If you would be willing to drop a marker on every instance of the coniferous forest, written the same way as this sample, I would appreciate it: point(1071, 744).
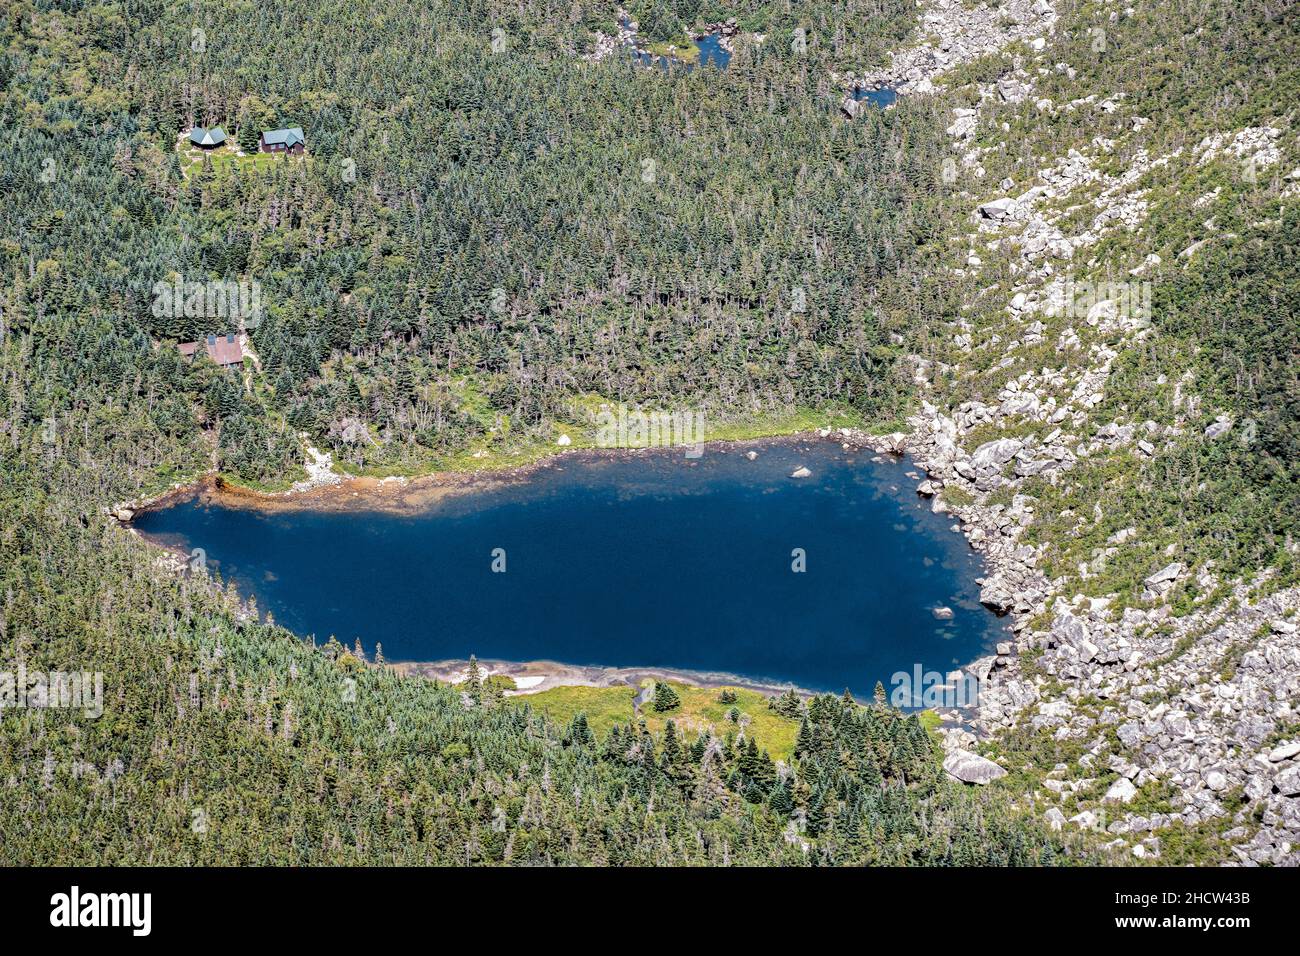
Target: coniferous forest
point(488, 235)
point(648, 234)
point(480, 240)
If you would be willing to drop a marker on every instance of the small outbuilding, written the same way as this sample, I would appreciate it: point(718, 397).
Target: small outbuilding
point(289, 140)
point(207, 138)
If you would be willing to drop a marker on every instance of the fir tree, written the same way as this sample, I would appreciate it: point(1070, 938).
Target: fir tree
point(781, 801)
point(474, 680)
point(665, 698)
point(818, 816)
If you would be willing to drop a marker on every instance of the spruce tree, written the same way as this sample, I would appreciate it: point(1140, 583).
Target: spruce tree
point(781, 801)
point(804, 739)
point(818, 816)
point(474, 680)
point(579, 733)
point(665, 698)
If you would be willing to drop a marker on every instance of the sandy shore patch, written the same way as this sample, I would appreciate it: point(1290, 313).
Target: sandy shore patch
point(532, 677)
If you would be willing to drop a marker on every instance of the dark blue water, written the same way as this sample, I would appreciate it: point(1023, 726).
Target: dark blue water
point(648, 559)
point(882, 97)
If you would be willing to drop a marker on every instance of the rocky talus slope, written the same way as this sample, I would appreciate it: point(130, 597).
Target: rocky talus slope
point(954, 33)
point(1173, 717)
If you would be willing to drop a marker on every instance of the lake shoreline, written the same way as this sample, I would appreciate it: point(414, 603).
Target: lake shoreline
point(413, 495)
point(418, 493)
point(537, 676)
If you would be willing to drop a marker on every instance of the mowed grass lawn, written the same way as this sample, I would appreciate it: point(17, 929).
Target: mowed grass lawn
point(700, 709)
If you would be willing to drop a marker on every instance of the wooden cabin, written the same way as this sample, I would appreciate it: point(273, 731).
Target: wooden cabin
point(207, 138)
point(225, 350)
point(289, 140)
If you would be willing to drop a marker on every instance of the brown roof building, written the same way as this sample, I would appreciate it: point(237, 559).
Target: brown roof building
point(225, 350)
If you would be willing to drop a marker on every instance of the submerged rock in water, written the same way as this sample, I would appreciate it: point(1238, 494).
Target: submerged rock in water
point(801, 472)
point(942, 613)
point(751, 455)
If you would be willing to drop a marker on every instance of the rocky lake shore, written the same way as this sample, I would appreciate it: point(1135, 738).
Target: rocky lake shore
point(1191, 713)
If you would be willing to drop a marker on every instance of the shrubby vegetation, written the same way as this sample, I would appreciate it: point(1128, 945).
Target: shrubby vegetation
point(1227, 316)
point(225, 740)
point(848, 35)
point(229, 740)
point(479, 249)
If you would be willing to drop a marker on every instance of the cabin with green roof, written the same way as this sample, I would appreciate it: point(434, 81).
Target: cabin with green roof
point(289, 140)
point(207, 138)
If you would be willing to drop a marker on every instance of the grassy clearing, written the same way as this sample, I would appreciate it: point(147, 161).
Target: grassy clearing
point(504, 450)
point(680, 50)
point(701, 709)
point(224, 158)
